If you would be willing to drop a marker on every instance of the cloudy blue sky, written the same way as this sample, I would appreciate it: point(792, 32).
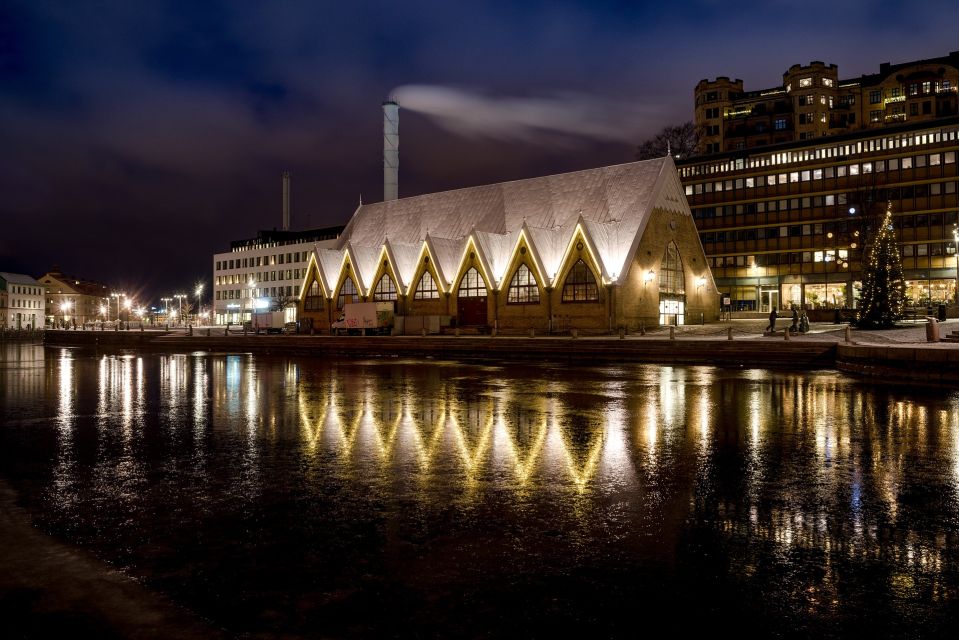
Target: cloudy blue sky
point(138, 138)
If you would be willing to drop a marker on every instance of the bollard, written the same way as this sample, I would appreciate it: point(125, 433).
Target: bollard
point(457, 331)
point(573, 333)
point(622, 333)
point(729, 333)
point(848, 335)
point(492, 332)
point(226, 332)
point(423, 332)
point(532, 332)
point(786, 334)
point(208, 332)
point(642, 328)
point(672, 332)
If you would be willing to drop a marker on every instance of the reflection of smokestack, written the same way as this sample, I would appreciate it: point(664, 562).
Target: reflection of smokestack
point(391, 150)
point(286, 200)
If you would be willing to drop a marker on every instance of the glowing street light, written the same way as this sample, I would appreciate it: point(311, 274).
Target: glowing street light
point(199, 300)
point(179, 297)
point(118, 296)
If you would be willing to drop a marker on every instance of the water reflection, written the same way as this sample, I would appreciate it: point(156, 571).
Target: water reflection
point(791, 486)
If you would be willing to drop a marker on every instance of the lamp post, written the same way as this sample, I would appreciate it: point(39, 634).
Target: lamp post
point(179, 297)
point(955, 238)
point(118, 296)
point(166, 308)
point(199, 305)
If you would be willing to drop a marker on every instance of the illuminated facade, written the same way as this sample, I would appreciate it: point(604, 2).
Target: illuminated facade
point(592, 250)
point(813, 102)
point(21, 306)
point(787, 224)
point(266, 272)
point(71, 300)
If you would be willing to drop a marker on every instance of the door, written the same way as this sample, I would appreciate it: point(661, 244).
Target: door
point(471, 312)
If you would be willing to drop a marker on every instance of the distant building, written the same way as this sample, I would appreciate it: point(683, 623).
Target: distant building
point(21, 305)
point(591, 250)
point(813, 102)
point(72, 300)
point(265, 272)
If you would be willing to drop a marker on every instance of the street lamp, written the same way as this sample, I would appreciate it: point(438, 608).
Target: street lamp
point(199, 301)
point(166, 307)
point(64, 310)
point(118, 296)
point(955, 237)
point(179, 297)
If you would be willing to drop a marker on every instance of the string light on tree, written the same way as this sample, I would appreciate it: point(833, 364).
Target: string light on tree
point(884, 288)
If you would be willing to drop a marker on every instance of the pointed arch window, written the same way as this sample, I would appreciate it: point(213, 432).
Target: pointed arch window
point(472, 285)
point(426, 289)
point(671, 277)
point(385, 289)
point(314, 298)
point(347, 293)
point(523, 288)
point(580, 285)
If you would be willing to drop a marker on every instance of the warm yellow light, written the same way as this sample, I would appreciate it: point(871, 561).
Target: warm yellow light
point(648, 276)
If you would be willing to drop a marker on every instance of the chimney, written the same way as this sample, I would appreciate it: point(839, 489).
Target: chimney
point(391, 150)
point(286, 200)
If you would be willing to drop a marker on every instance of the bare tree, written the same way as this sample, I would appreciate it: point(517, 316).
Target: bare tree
point(680, 141)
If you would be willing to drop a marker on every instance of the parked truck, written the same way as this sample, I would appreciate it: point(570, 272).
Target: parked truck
point(268, 322)
point(360, 318)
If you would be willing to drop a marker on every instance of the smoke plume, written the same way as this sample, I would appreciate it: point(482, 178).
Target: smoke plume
point(557, 119)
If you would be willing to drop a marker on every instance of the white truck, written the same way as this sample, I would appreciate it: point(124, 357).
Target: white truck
point(360, 318)
point(268, 322)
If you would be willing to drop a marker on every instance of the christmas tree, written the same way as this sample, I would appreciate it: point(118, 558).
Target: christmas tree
point(883, 288)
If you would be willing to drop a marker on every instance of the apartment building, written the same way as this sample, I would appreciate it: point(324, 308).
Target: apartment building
point(813, 101)
point(265, 272)
point(789, 223)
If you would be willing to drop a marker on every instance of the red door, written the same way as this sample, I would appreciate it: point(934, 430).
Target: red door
point(471, 312)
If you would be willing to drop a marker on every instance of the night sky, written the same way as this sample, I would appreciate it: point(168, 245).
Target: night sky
point(138, 138)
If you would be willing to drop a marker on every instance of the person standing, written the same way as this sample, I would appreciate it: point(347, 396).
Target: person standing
point(772, 320)
point(795, 326)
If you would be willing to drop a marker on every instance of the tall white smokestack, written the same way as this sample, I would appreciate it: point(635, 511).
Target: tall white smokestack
point(391, 150)
point(286, 200)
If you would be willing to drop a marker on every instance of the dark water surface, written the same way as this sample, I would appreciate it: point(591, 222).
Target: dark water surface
point(399, 498)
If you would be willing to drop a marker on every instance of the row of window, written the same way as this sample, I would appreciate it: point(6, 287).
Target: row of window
point(17, 303)
point(25, 290)
point(829, 255)
point(838, 171)
point(264, 276)
point(911, 89)
point(262, 261)
point(245, 294)
point(825, 152)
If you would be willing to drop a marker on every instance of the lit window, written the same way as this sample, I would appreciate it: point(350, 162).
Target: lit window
point(827, 82)
point(426, 288)
point(472, 285)
point(671, 278)
point(385, 289)
point(580, 285)
point(523, 288)
point(347, 293)
point(314, 298)
point(805, 82)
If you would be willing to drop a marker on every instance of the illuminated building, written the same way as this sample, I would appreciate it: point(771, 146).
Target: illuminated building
point(21, 305)
point(70, 299)
point(267, 271)
point(786, 224)
point(591, 250)
point(813, 102)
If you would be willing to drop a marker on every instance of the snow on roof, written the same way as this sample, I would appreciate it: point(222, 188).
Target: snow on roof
point(18, 278)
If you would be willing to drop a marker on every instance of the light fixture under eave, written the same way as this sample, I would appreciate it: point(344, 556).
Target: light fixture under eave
point(700, 282)
point(648, 276)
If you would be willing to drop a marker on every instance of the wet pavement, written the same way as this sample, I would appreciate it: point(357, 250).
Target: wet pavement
point(291, 497)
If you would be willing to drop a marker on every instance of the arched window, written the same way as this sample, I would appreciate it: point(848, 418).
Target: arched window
point(426, 289)
point(672, 288)
point(523, 288)
point(472, 285)
point(671, 277)
point(314, 298)
point(347, 293)
point(580, 285)
point(385, 289)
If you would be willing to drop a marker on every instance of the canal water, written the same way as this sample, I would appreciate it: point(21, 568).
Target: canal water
point(402, 498)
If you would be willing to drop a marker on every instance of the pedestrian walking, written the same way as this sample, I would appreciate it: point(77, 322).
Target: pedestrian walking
point(772, 320)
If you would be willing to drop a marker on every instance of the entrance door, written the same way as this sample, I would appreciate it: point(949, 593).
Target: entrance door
point(471, 312)
point(769, 297)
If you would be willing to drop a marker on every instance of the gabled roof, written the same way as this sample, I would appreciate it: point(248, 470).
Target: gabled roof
point(610, 204)
point(18, 278)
